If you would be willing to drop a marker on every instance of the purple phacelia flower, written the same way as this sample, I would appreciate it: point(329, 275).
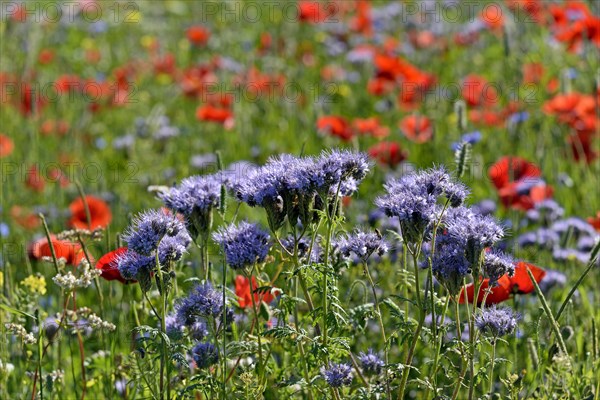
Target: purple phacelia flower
point(202, 302)
point(370, 362)
point(337, 375)
point(496, 264)
point(150, 227)
point(205, 355)
point(362, 244)
point(498, 321)
point(244, 244)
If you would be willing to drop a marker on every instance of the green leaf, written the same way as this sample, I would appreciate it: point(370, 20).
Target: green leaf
point(15, 311)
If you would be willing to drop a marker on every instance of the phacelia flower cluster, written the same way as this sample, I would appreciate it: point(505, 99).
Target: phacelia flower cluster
point(337, 375)
point(413, 199)
point(244, 244)
point(362, 244)
point(202, 302)
point(152, 233)
point(371, 363)
point(297, 186)
point(497, 321)
point(195, 198)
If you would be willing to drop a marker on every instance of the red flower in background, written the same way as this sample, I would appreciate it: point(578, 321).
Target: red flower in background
point(512, 169)
point(335, 126)
point(198, 35)
point(100, 214)
point(417, 128)
point(362, 22)
point(71, 252)
point(24, 217)
point(211, 113)
point(595, 221)
point(108, 265)
point(242, 291)
point(518, 183)
point(388, 153)
point(519, 283)
point(477, 91)
point(371, 127)
point(6, 146)
point(315, 11)
point(34, 179)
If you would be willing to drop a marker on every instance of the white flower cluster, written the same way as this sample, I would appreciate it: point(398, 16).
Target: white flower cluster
point(6, 368)
point(92, 320)
point(70, 282)
point(61, 261)
point(96, 322)
point(20, 331)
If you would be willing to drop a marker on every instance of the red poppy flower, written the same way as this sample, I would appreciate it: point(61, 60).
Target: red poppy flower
point(242, 290)
point(34, 179)
point(211, 113)
point(595, 221)
point(108, 265)
point(510, 169)
point(533, 72)
point(498, 294)
point(477, 91)
point(46, 56)
point(24, 217)
point(417, 128)
point(315, 11)
point(523, 195)
point(388, 153)
point(519, 283)
point(6, 146)
point(198, 35)
point(362, 22)
point(71, 252)
point(370, 126)
point(335, 126)
point(100, 215)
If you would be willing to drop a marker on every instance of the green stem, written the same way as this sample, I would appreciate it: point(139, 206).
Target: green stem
point(492, 367)
point(417, 332)
point(553, 323)
point(573, 290)
point(260, 354)
point(382, 327)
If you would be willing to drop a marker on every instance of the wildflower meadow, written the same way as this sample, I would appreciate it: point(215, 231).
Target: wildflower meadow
point(337, 199)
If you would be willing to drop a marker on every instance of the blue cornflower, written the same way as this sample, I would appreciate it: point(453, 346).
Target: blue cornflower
point(498, 321)
point(203, 301)
point(205, 355)
point(496, 264)
point(362, 244)
point(337, 375)
point(244, 245)
point(371, 363)
point(471, 138)
point(150, 227)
